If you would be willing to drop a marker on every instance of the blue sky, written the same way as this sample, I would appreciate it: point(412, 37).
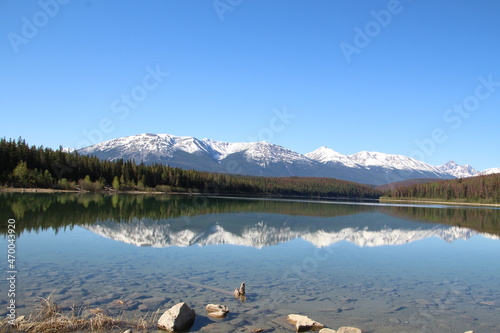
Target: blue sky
point(418, 78)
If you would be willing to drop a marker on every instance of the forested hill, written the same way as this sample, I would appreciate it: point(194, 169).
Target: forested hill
point(484, 189)
point(25, 166)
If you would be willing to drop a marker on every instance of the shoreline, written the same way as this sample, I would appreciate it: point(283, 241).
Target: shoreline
point(240, 195)
point(447, 203)
point(230, 195)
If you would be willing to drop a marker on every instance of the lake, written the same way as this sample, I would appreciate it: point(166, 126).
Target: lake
point(378, 267)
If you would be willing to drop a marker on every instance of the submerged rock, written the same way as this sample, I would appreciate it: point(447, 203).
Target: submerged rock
point(240, 291)
point(123, 305)
point(217, 310)
point(242, 288)
point(177, 318)
point(347, 329)
point(304, 323)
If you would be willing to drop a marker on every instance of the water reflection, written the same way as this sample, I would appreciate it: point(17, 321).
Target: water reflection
point(162, 221)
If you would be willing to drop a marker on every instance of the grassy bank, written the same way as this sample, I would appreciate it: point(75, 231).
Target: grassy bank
point(48, 317)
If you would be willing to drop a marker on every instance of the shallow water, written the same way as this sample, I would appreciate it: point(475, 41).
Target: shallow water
point(381, 268)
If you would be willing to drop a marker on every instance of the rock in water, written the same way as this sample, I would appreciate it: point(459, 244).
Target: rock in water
point(327, 330)
point(239, 291)
point(347, 329)
point(217, 310)
point(303, 323)
point(177, 318)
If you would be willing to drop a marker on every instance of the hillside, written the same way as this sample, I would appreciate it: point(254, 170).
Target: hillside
point(388, 187)
point(484, 189)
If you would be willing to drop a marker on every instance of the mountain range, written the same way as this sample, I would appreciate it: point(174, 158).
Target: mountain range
point(266, 159)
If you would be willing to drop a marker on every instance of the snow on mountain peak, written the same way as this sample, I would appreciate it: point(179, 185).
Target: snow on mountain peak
point(370, 158)
point(489, 171)
point(328, 155)
point(148, 147)
point(325, 154)
point(267, 159)
point(457, 170)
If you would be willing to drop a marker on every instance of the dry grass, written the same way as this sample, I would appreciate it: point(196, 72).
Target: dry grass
point(48, 318)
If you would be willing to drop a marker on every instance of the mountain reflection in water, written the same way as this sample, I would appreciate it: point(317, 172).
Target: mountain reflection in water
point(161, 221)
point(272, 229)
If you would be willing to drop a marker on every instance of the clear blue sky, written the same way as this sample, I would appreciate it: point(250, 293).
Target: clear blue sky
point(352, 75)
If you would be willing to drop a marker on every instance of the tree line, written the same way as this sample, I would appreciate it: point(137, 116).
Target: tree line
point(30, 166)
point(485, 189)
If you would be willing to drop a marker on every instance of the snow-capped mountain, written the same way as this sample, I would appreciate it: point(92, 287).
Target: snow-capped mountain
point(457, 170)
point(377, 168)
point(369, 159)
point(266, 159)
point(489, 171)
point(254, 158)
point(259, 234)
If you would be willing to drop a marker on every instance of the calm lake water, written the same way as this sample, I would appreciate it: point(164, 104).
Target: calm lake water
point(382, 268)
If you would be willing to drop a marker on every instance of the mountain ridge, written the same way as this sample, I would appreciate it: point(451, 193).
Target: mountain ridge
point(266, 159)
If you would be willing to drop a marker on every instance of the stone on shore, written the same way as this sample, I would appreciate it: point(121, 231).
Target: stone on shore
point(304, 323)
point(347, 329)
point(177, 318)
point(327, 330)
point(217, 310)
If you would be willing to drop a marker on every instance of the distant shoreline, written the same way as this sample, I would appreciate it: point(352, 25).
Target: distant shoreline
point(239, 195)
point(51, 190)
point(232, 195)
point(447, 203)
